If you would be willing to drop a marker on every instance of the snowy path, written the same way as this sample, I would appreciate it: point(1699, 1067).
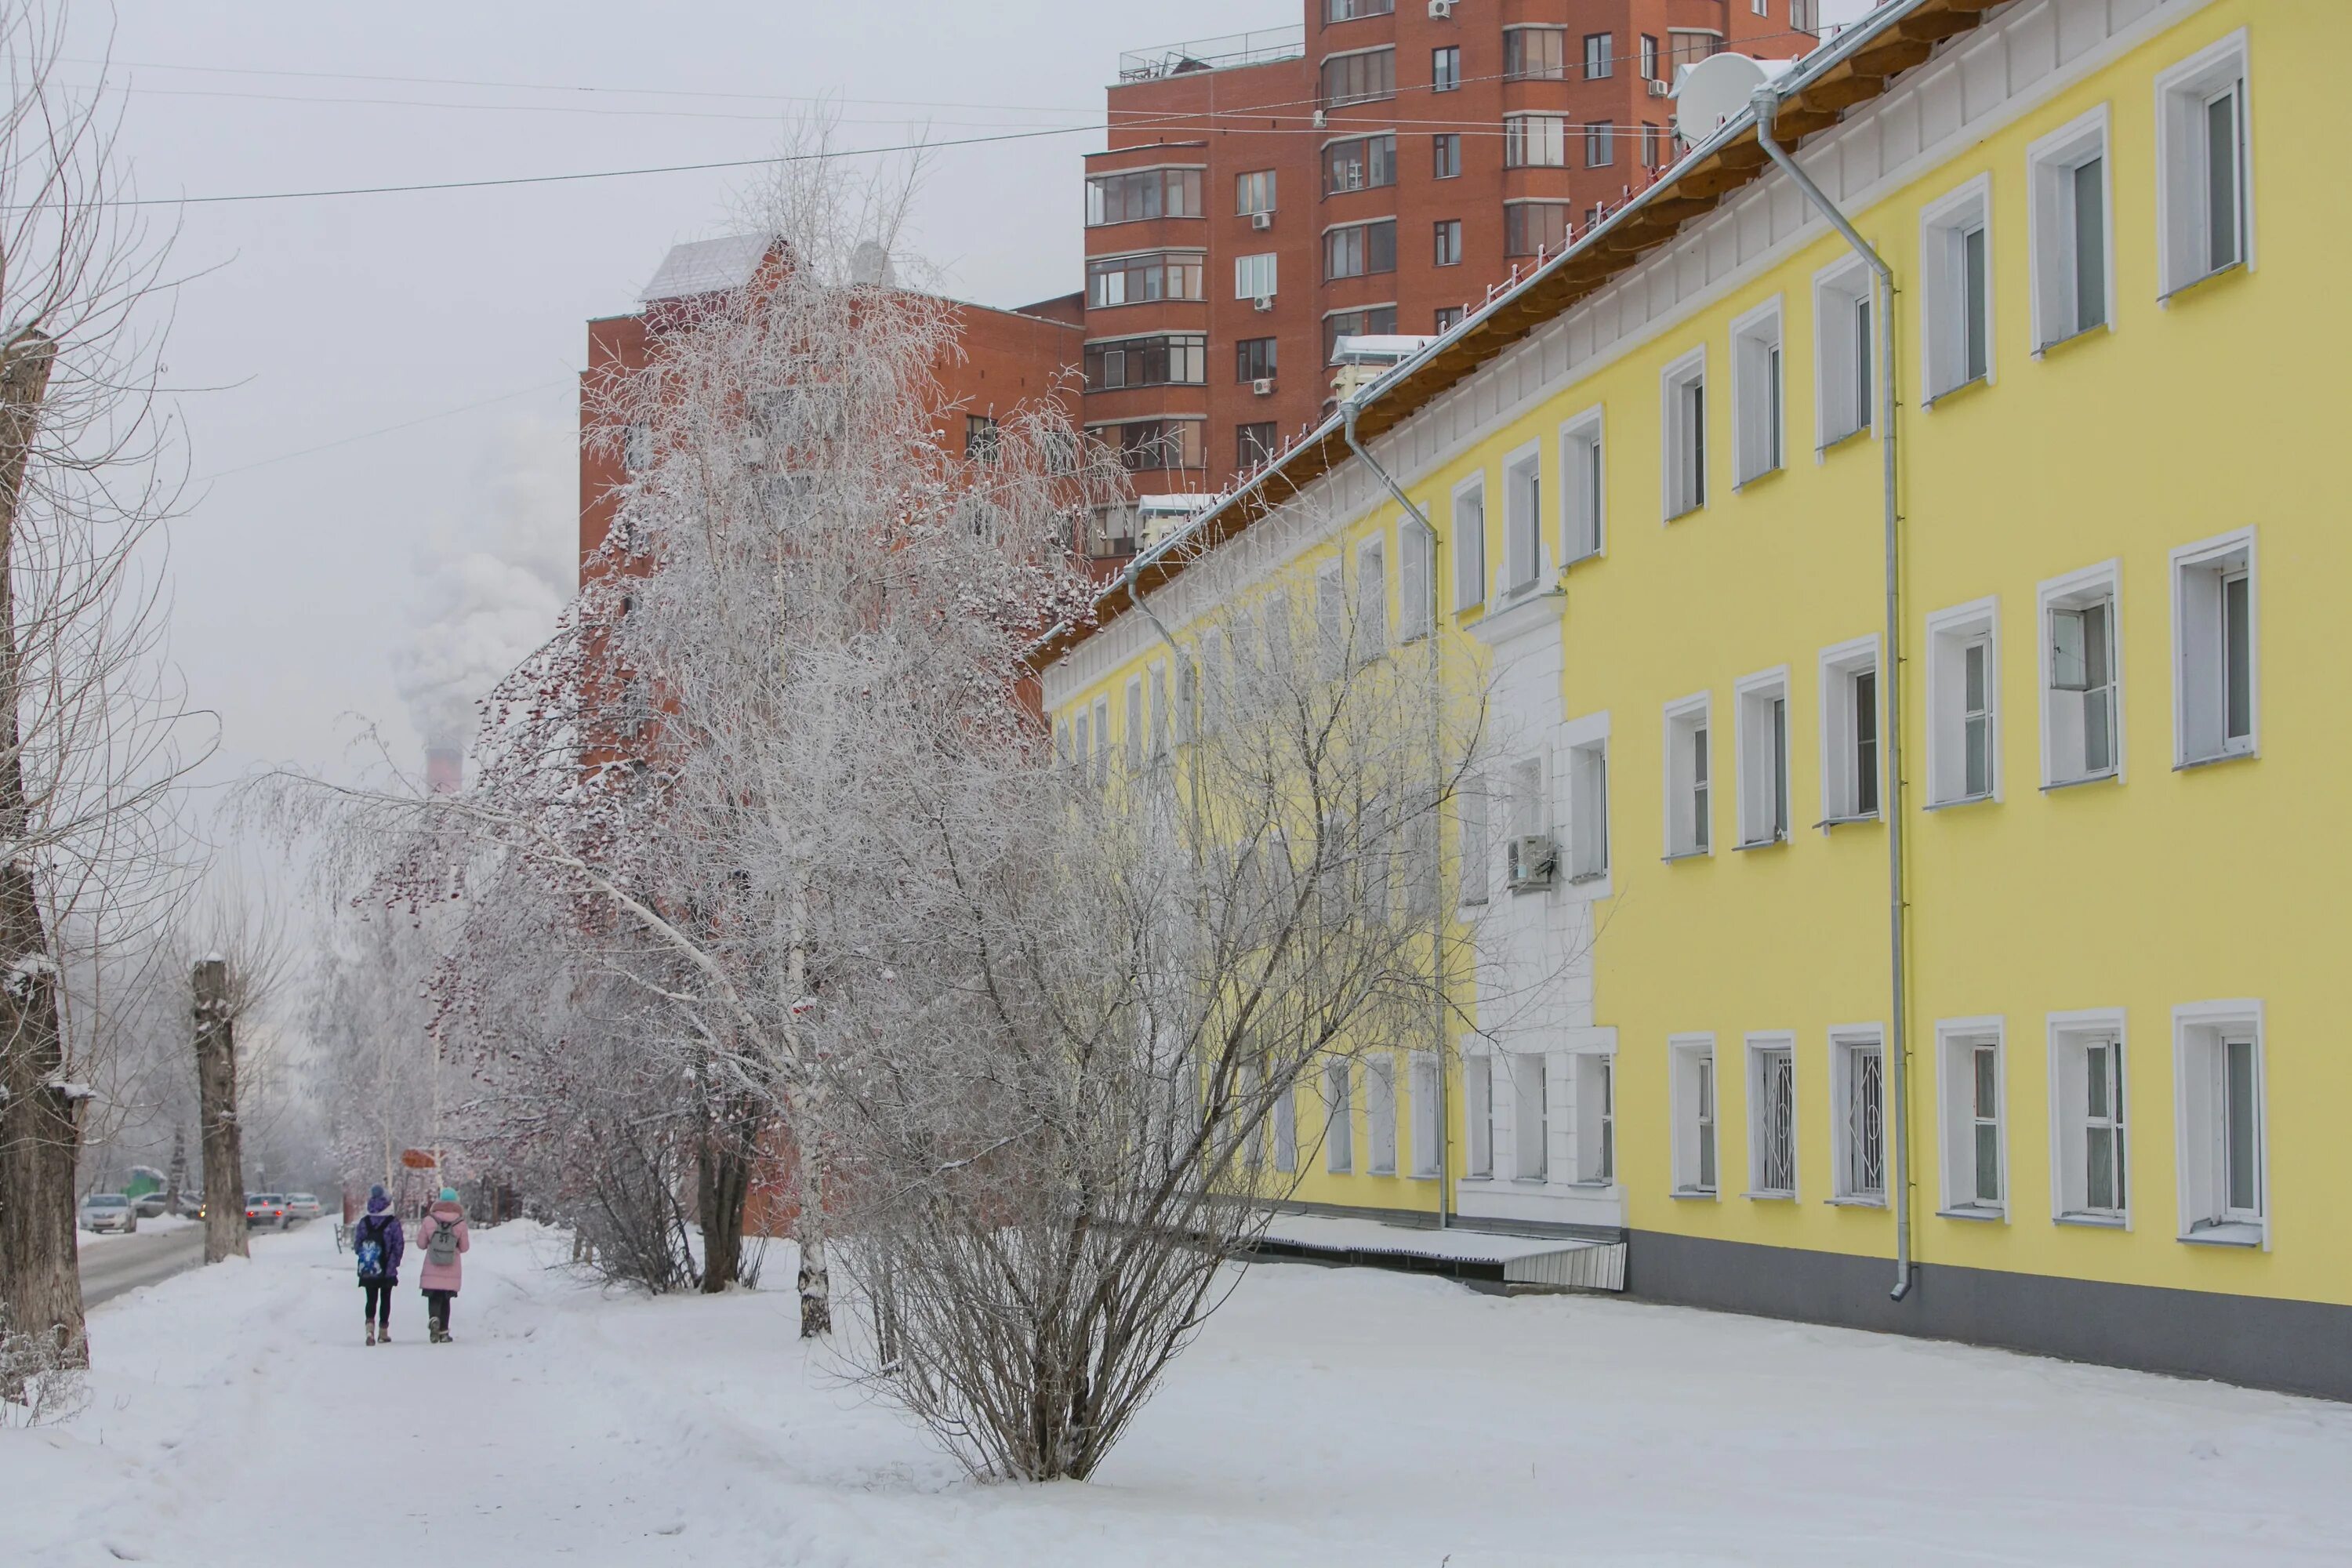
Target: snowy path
point(1327, 1417)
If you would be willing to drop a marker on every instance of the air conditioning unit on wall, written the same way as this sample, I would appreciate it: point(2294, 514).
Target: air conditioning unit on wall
point(1527, 862)
point(1659, 89)
point(1262, 302)
point(1441, 10)
point(1263, 386)
point(1261, 221)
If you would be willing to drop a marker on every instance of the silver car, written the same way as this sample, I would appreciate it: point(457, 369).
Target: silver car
point(302, 1205)
point(102, 1212)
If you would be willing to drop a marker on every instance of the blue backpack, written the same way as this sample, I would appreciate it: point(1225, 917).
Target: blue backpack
point(368, 1246)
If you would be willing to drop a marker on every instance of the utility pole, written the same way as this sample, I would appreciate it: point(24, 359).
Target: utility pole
point(223, 1141)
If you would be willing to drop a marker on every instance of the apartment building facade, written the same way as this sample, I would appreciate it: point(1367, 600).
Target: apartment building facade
point(1941, 950)
point(1372, 171)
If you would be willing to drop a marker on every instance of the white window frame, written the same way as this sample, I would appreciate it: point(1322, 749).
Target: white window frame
point(1584, 748)
point(2070, 1034)
point(1246, 272)
point(1845, 358)
point(1469, 522)
point(1339, 1117)
point(1841, 744)
point(1421, 1086)
point(2200, 1031)
point(1765, 797)
point(2201, 575)
point(1380, 1115)
point(1957, 1041)
point(1371, 597)
point(1523, 529)
point(1943, 310)
point(2052, 232)
point(1530, 1074)
point(1762, 1046)
point(1592, 1073)
point(1102, 740)
point(1155, 679)
point(1685, 447)
point(1333, 628)
point(1689, 823)
point(1131, 729)
point(1286, 1130)
point(1695, 1102)
point(1535, 140)
point(1479, 1113)
point(1583, 489)
point(1951, 633)
point(1416, 548)
point(1760, 395)
point(2182, 94)
point(2063, 733)
point(1850, 1044)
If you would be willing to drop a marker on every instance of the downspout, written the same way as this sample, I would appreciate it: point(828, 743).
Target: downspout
point(1767, 106)
point(1348, 410)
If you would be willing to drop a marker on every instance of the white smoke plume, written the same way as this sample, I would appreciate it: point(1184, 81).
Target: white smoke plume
point(492, 579)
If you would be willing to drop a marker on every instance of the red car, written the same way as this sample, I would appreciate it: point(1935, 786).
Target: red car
point(266, 1208)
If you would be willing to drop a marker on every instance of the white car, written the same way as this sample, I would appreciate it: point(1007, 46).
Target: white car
point(102, 1212)
point(302, 1205)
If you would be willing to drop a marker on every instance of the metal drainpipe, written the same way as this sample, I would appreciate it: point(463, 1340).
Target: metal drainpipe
point(1347, 409)
point(1767, 105)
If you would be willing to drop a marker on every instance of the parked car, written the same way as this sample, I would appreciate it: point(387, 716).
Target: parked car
point(266, 1208)
point(302, 1205)
point(148, 1205)
point(102, 1212)
point(191, 1205)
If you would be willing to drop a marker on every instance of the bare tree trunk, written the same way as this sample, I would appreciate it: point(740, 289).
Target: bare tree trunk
point(804, 1097)
point(40, 1116)
point(729, 1148)
point(217, 1105)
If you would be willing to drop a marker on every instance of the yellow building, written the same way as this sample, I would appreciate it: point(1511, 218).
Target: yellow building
point(2065, 1093)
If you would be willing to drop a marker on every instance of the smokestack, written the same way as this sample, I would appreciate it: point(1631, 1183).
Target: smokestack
point(445, 770)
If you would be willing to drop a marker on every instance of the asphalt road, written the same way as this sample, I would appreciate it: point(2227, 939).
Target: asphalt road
point(126, 1262)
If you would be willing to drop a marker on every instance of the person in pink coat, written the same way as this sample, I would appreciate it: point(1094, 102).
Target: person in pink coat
point(441, 1240)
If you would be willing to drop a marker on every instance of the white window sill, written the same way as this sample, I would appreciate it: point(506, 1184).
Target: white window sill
point(1532, 1184)
point(1858, 1202)
point(1424, 1175)
point(1770, 1197)
point(1585, 878)
point(1772, 843)
point(1696, 1194)
point(1574, 562)
point(2235, 1233)
point(1960, 801)
point(2166, 299)
point(2186, 764)
point(1968, 385)
point(1834, 442)
point(1686, 854)
point(2110, 776)
point(1738, 485)
point(1974, 1212)
point(1377, 1170)
point(2096, 329)
point(2093, 1221)
point(1826, 822)
point(1686, 511)
point(1597, 1185)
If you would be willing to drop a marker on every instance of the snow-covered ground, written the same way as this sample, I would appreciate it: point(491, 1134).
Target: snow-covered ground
point(148, 1226)
point(1327, 1416)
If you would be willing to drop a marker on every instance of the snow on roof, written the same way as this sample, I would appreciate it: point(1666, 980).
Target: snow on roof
point(707, 267)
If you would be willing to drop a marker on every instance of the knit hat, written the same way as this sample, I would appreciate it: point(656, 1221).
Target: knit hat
point(377, 1201)
point(448, 1195)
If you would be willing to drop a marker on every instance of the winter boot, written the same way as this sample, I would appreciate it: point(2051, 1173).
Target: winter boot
point(371, 1333)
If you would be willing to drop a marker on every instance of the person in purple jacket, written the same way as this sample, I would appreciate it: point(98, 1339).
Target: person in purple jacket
point(376, 1242)
point(442, 1236)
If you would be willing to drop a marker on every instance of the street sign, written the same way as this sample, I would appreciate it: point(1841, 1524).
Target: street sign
point(418, 1158)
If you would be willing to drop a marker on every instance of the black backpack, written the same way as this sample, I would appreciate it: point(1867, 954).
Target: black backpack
point(367, 1246)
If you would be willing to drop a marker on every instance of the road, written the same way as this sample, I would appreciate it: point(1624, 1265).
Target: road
point(127, 1262)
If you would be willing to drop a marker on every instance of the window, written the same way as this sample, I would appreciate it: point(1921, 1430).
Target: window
point(980, 438)
point(1858, 1088)
point(1690, 46)
point(1478, 1114)
point(1843, 347)
point(1596, 1118)
point(1339, 1120)
point(1685, 385)
point(1850, 731)
point(1102, 740)
point(1349, 10)
point(1804, 16)
point(1535, 141)
point(1254, 192)
point(1588, 810)
point(1649, 56)
point(1445, 156)
point(1530, 1116)
point(2204, 174)
point(1253, 276)
point(1533, 54)
point(1416, 580)
point(1653, 145)
point(1444, 69)
point(1470, 810)
point(1330, 620)
point(1522, 521)
point(2088, 1092)
point(1380, 1116)
point(1157, 746)
point(1446, 319)
point(1138, 280)
point(1600, 56)
point(1359, 164)
point(1690, 811)
point(1532, 227)
point(1449, 242)
point(1286, 1131)
point(1136, 194)
point(1378, 322)
point(1470, 545)
point(1761, 725)
point(1956, 293)
point(1150, 445)
point(2218, 1066)
point(1372, 599)
point(1360, 249)
point(1963, 705)
point(1583, 492)
point(1690, 1064)
point(1175, 359)
point(2213, 649)
point(2067, 230)
point(1600, 145)
point(1359, 78)
point(2082, 718)
point(1970, 1094)
point(1254, 359)
point(1254, 444)
point(1421, 1083)
point(1758, 407)
point(1131, 734)
point(1771, 1117)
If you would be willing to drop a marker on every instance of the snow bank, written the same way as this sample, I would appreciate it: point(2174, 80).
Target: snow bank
point(147, 1226)
point(1327, 1416)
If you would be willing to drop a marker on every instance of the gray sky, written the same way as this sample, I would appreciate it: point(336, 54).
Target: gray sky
point(300, 580)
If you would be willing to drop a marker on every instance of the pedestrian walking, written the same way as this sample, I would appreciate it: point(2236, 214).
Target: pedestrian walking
point(442, 1236)
point(377, 1243)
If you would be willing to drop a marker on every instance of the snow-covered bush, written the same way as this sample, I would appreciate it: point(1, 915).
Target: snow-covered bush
point(41, 1384)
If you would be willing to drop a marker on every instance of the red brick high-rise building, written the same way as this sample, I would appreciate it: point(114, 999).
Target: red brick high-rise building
point(1371, 171)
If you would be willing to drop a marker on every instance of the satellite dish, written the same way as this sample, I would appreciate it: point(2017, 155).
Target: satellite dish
point(870, 264)
point(1713, 93)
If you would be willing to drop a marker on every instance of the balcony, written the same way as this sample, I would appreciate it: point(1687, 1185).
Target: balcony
point(1261, 47)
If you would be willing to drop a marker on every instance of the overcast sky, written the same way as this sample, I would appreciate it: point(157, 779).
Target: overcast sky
point(308, 581)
